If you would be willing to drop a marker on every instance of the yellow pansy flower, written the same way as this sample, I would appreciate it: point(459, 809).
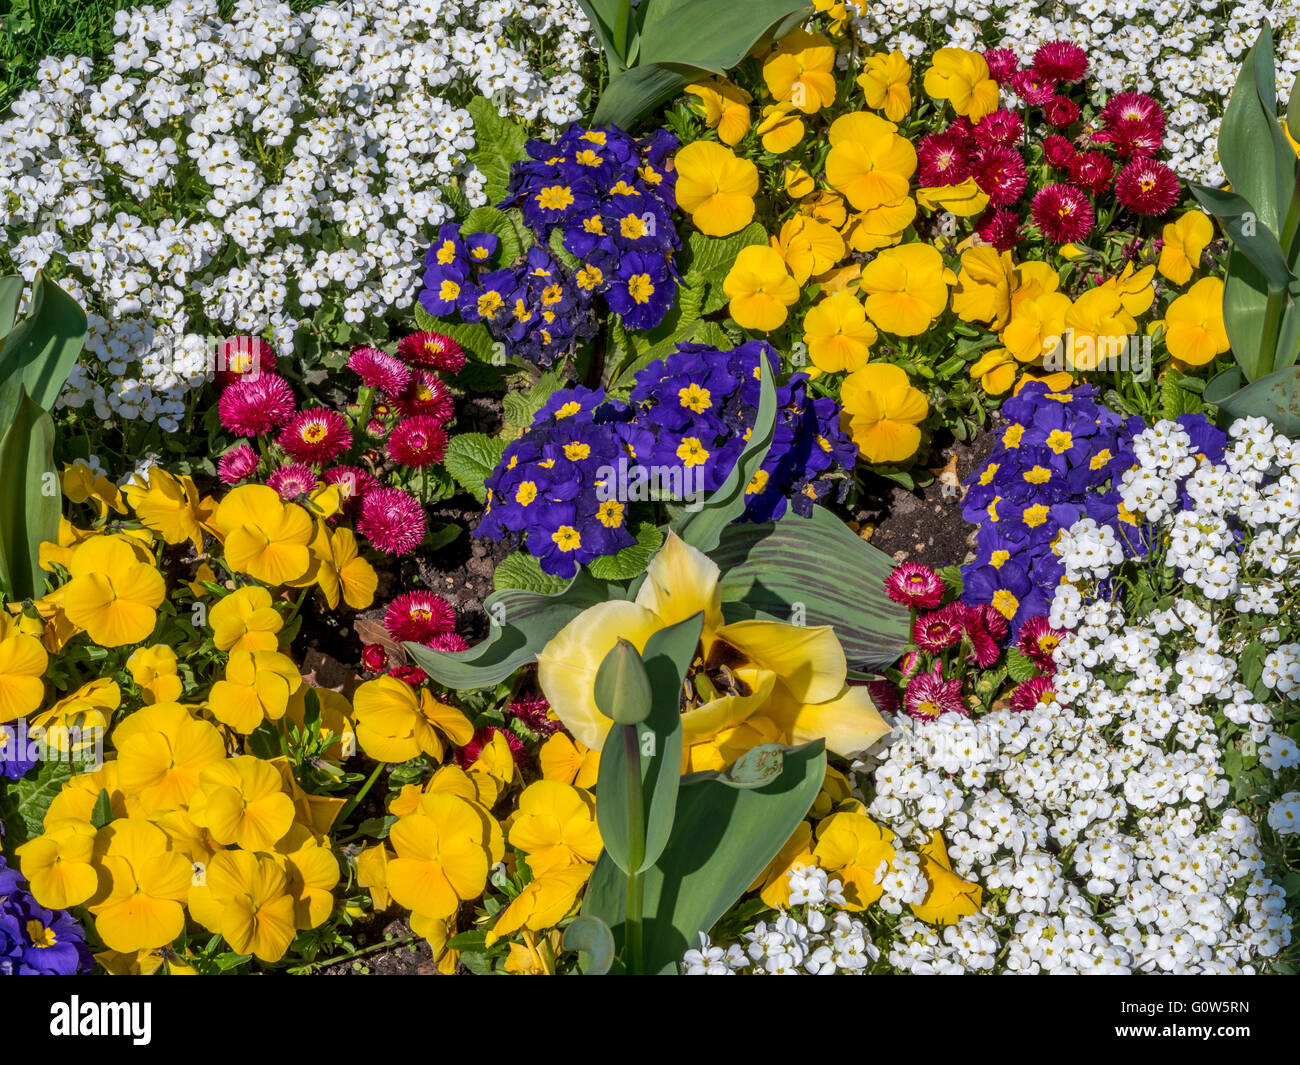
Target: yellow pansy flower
point(264, 536)
point(906, 288)
point(962, 78)
point(725, 107)
point(879, 227)
point(23, 662)
point(142, 886)
point(995, 370)
point(963, 199)
point(850, 846)
point(780, 128)
point(245, 899)
point(1184, 241)
point(59, 863)
point(245, 620)
point(1194, 329)
point(81, 483)
point(837, 333)
point(983, 289)
point(884, 82)
point(800, 70)
point(154, 671)
point(256, 687)
point(797, 182)
point(543, 903)
point(555, 825)
point(760, 288)
point(161, 750)
point(113, 595)
point(950, 898)
point(565, 760)
point(73, 722)
point(869, 162)
point(394, 723)
point(808, 247)
point(443, 853)
point(715, 187)
point(241, 802)
point(169, 505)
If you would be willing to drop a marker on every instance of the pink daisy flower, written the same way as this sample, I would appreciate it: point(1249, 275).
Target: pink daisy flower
point(242, 357)
point(915, 585)
point(429, 395)
point(236, 464)
point(353, 482)
point(1002, 62)
point(1000, 172)
point(417, 441)
point(374, 659)
point(378, 370)
point(1001, 228)
point(449, 641)
point(1062, 213)
point(433, 350)
point(1030, 693)
point(1093, 170)
point(884, 693)
point(1061, 112)
point(316, 435)
point(1133, 107)
point(254, 405)
point(535, 712)
point(1037, 641)
point(943, 159)
point(938, 630)
point(418, 617)
point(1058, 150)
point(1060, 61)
point(1032, 87)
point(392, 520)
point(412, 675)
point(292, 481)
point(928, 696)
point(1000, 127)
point(466, 756)
point(1147, 187)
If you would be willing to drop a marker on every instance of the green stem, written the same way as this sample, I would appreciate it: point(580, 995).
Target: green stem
point(636, 850)
point(363, 419)
point(1272, 327)
point(355, 801)
point(388, 944)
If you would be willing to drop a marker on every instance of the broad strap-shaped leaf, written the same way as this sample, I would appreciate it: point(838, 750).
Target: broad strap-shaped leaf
point(604, 16)
point(814, 571)
point(30, 500)
point(715, 35)
point(667, 658)
point(521, 624)
point(638, 90)
point(702, 529)
point(723, 836)
point(1293, 110)
point(42, 348)
point(1275, 397)
point(11, 294)
point(1258, 243)
point(1245, 298)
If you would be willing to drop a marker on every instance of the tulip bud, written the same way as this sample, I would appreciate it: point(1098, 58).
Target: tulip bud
point(622, 685)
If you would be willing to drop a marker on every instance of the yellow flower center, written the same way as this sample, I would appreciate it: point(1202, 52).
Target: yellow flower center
point(610, 513)
point(692, 451)
point(40, 935)
point(695, 398)
point(1005, 603)
point(567, 538)
point(554, 198)
point(640, 288)
point(489, 303)
point(526, 493)
point(576, 451)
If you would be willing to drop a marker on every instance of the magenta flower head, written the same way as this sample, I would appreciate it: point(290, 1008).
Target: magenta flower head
point(1002, 63)
point(353, 482)
point(417, 441)
point(240, 358)
point(928, 696)
point(427, 394)
point(1030, 693)
point(254, 405)
point(392, 520)
point(535, 712)
point(1062, 213)
point(1060, 61)
point(292, 481)
point(1061, 112)
point(1000, 172)
point(1058, 151)
point(1147, 187)
point(938, 630)
point(433, 351)
point(236, 464)
point(1000, 127)
point(1037, 641)
point(449, 641)
point(418, 617)
point(915, 585)
point(316, 435)
point(1033, 88)
point(1001, 228)
point(378, 370)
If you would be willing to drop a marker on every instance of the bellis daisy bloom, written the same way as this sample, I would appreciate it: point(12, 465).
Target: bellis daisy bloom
point(1001, 228)
point(1030, 693)
point(943, 159)
point(254, 405)
point(1060, 61)
point(1061, 112)
point(432, 350)
point(292, 481)
point(939, 630)
point(928, 696)
point(379, 370)
point(418, 617)
point(1002, 63)
point(417, 441)
point(1037, 641)
point(236, 464)
point(428, 394)
point(915, 585)
point(1000, 172)
point(392, 520)
point(1093, 170)
point(1062, 213)
point(1001, 127)
point(353, 481)
point(242, 357)
point(316, 435)
point(448, 641)
point(1032, 87)
point(1058, 151)
point(1147, 187)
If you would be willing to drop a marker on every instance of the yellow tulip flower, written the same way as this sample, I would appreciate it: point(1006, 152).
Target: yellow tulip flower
point(837, 333)
point(59, 863)
point(962, 78)
point(154, 671)
point(883, 412)
point(725, 108)
point(245, 620)
point(256, 687)
point(113, 595)
point(715, 187)
point(800, 69)
point(241, 802)
point(869, 162)
point(1194, 329)
point(884, 82)
point(906, 288)
point(23, 662)
point(395, 724)
point(265, 537)
point(760, 288)
point(791, 675)
point(555, 826)
point(444, 852)
point(161, 750)
point(1184, 241)
point(143, 885)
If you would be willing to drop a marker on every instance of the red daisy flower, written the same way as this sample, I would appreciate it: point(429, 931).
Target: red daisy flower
point(292, 481)
point(535, 712)
point(915, 585)
point(1147, 187)
point(1062, 213)
point(1000, 127)
point(884, 693)
point(928, 696)
point(989, 619)
point(392, 520)
point(418, 617)
point(1003, 63)
point(943, 159)
point(434, 350)
point(938, 630)
point(1029, 694)
point(1131, 140)
point(1058, 151)
point(1061, 112)
point(1133, 107)
point(1060, 61)
point(374, 659)
point(1032, 87)
point(417, 441)
point(253, 405)
point(353, 482)
point(1001, 228)
point(1037, 641)
point(449, 641)
point(466, 756)
point(1093, 170)
point(378, 370)
point(1000, 172)
point(236, 464)
point(412, 675)
point(316, 435)
point(429, 395)
point(242, 357)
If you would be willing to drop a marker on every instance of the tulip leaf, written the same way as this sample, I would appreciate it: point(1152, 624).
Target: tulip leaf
point(703, 528)
point(11, 294)
point(667, 658)
point(723, 837)
point(592, 937)
point(521, 624)
point(30, 500)
point(814, 571)
point(1293, 110)
point(1275, 397)
point(604, 18)
point(755, 768)
point(1258, 243)
point(42, 348)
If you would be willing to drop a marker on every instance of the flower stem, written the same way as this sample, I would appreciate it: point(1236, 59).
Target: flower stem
point(355, 801)
point(636, 850)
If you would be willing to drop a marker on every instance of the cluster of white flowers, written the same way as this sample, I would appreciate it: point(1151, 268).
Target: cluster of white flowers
point(248, 175)
point(1186, 53)
point(816, 936)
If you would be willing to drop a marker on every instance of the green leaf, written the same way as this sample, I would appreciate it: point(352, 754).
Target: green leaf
point(703, 528)
point(756, 768)
point(11, 293)
point(604, 18)
point(1293, 110)
point(1019, 667)
point(590, 936)
point(40, 350)
point(633, 559)
point(102, 813)
point(667, 658)
point(521, 408)
point(817, 572)
point(471, 458)
point(712, 257)
point(472, 336)
point(30, 499)
point(723, 836)
point(521, 624)
point(1275, 396)
point(521, 570)
point(498, 142)
point(23, 802)
point(1258, 243)
point(514, 237)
